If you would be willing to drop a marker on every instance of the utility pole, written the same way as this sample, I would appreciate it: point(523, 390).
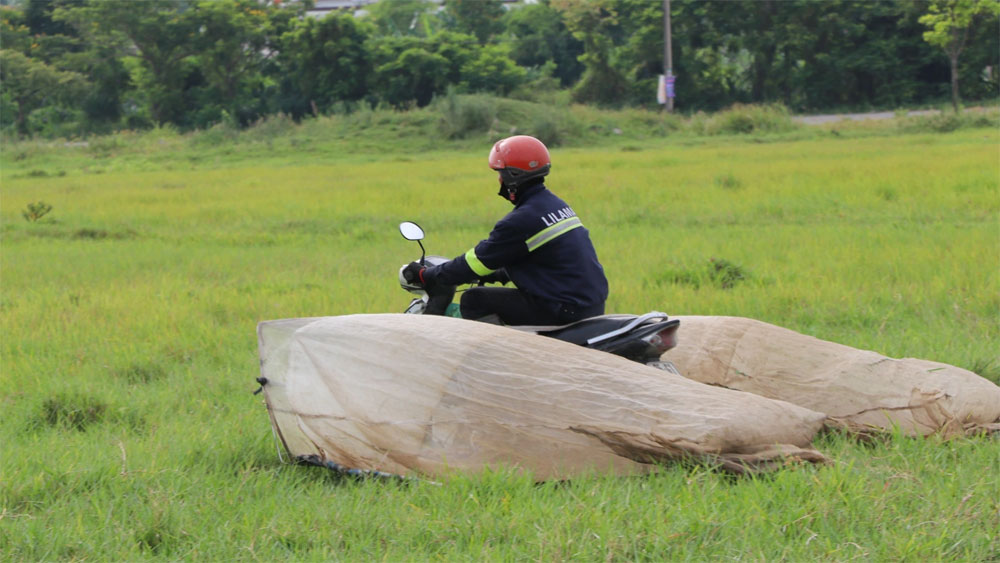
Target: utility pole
point(668, 57)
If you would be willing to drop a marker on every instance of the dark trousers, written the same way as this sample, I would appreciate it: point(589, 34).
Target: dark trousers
point(515, 307)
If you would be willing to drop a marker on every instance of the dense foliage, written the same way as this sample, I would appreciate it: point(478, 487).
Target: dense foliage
point(78, 66)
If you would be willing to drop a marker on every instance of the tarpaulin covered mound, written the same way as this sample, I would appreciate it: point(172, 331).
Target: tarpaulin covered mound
point(857, 389)
point(413, 394)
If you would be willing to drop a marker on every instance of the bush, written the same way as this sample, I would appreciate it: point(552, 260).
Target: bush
point(270, 127)
point(462, 116)
point(541, 86)
point(718, 272)
point(36, 211)
point(947, 121)
point(746, 119)
point(553, 125)
point(73, 411)
point(214, 135)
point(552, 129)
point(52, 122)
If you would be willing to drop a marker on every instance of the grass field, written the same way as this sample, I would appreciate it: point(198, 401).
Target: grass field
point(129, 431)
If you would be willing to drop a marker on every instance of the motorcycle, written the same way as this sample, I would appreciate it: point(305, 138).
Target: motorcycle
point(640, 338)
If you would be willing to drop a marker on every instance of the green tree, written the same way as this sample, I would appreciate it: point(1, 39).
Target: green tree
point(31, 83)
point(402, 17)
point(847, 53)
point(52, 39)
point(163, 34)
point(537, 35)
point(32, 30)
point(492, 70)
point(38, 16)
point(806, 54)
point(980, 62)
point(596, 25)
point(58, 43)
point(458, 48)
point(950, 23)
point(481, 18)
point(37, 33)
point(413, 69)
point(324, 61)
point(236, 37)
point(414, 75)
point(14, 31)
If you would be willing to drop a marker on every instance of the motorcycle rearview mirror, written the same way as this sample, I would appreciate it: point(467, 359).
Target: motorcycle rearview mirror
point(412, 231)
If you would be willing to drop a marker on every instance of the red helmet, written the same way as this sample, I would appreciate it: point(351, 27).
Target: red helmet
point(520, 158)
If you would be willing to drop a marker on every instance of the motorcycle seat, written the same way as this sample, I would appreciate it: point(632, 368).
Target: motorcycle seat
point(585, 330)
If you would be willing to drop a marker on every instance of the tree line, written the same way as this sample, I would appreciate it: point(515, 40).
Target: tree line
point(96, 65)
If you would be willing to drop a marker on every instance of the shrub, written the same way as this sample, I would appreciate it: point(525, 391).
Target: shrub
point(142, 372)
point(554, 129)
point(541, 86)
point(719, 272)
point(36, 211)
point(947, 121)
point(554, 126)
point(728, 181)
point(462, 116)
point(75, 412)
point(725, 274)
point(746, 119)
point(215, 135)
point(269, 128)
point(52, 122)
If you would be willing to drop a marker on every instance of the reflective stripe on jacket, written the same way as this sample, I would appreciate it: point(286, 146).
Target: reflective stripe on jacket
point(544, 248)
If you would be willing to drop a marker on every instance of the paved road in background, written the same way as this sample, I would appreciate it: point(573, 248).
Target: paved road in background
point(819, 119)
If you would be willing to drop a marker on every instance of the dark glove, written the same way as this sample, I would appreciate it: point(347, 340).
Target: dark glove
point(413, 274)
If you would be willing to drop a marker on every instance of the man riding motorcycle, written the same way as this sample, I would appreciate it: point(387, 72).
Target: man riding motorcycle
point(541, 246)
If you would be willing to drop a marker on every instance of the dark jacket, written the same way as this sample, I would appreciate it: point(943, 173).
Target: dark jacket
point(544, 249)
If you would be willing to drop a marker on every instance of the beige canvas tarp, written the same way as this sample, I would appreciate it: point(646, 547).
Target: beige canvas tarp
point(857, 389)
point(426, 395)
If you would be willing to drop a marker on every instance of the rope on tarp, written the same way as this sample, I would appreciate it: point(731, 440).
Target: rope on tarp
point(274, 431)
point(313, 459)
point(278, 445)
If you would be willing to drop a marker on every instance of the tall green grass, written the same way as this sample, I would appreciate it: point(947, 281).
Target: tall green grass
point(129, 431)
point(455, 123)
